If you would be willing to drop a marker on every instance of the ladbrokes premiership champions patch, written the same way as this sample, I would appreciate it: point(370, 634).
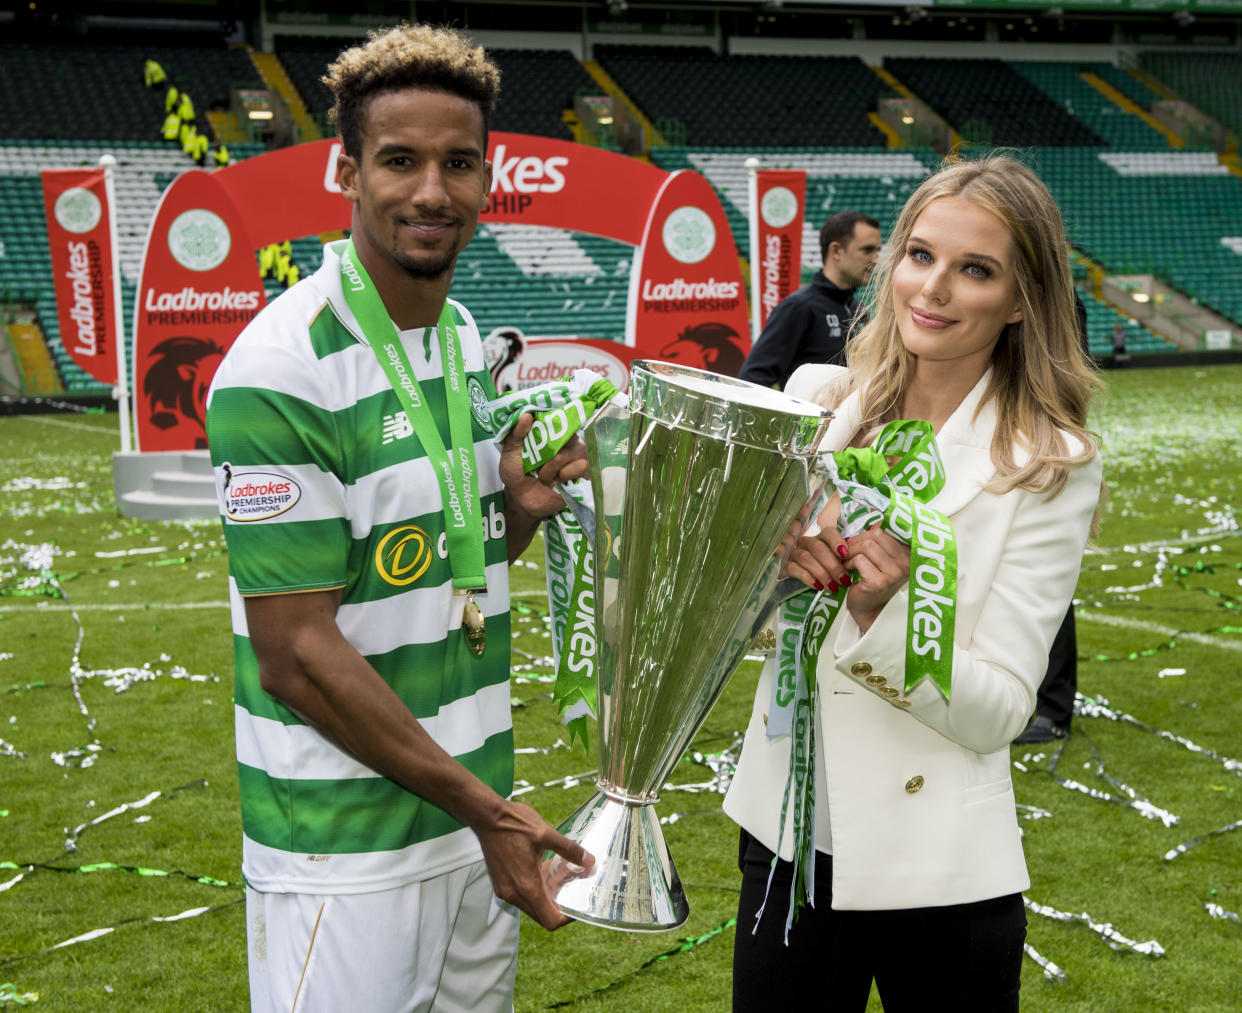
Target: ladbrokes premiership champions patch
point(257, 495)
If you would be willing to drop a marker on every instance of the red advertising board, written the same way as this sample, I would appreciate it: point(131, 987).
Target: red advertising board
point(198, 288)
point(543, 181)
point(776, 251)
point(287, 193)
point(80, 239)
point(516, 361)
point(686, 299)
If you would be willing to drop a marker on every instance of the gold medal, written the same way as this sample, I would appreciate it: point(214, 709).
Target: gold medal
point(472, 626)
point(766, 641)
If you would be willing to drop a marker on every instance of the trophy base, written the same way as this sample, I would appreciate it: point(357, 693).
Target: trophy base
point(633, 885)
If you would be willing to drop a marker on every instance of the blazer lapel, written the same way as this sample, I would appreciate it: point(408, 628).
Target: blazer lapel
point(845, 421)
point(965, 443)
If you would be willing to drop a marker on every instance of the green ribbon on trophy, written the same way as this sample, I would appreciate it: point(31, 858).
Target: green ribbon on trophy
point(563, 408)
point(871, 490)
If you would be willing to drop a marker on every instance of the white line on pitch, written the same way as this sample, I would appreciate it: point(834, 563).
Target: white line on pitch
point(44, 420)
point(1169, 543)
point(106, 607)
point(1168, 631)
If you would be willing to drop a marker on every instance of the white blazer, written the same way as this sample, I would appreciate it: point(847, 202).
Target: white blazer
point(920, 800)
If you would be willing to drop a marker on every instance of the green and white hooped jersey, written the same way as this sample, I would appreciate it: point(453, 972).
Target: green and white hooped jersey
point(323, 484)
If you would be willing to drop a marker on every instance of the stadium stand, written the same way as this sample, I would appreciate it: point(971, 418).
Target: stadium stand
point(305, 58)
point(989, 102)
point(1126, 83)
point(757, 100)
point(1131, 204)
point(1064, 84)
point(1170, 213)
point(876, 182)
point(545, 281)
point(1211, 80)
point(144, 169)
point(96, 91)
point(536, 85)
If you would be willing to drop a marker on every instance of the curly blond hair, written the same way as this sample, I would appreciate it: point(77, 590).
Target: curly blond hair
point(408, 56)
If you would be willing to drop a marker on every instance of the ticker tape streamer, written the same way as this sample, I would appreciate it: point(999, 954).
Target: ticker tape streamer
point(1099, 707)
point(109, 929)
point(8, 885)
point(722, 765)
point(1216, 911)
point(1105, 930)
point(72, 840)
point(10, 994)
point(686, 944)
point(1129, 797)
point(1181, 849)
point(137, 870)
point(1051, 971)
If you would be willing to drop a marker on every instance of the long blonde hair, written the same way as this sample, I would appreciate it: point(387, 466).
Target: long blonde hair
point(1042, 379)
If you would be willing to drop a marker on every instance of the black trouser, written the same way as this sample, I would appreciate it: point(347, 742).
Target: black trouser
point(1055, 699)
point(965, 957)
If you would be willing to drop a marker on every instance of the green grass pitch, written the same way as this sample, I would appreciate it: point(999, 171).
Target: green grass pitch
point(109, 833)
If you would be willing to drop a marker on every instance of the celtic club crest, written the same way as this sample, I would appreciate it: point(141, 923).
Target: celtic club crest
point(779, 207)
point(199, 239)
point(77, 210)
point(689, 235)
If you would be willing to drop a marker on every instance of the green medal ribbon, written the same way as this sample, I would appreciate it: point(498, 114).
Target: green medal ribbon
point(896, 496)
point(456, 471)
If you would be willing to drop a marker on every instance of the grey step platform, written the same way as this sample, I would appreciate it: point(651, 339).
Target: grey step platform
point(176, 485)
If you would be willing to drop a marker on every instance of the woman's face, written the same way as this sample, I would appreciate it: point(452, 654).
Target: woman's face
point(955, 287)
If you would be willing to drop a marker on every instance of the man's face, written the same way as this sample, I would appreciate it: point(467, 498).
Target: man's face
point(420, 180)
point(857, 258)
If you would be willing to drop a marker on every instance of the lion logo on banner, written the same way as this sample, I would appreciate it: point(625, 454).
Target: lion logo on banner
point(501, 349)
point(711, 346)
point(176, 384)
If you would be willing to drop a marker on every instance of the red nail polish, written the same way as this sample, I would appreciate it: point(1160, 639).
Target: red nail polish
point(818, 586)
point(845, 581)
point(832, 586)
point(842, 551)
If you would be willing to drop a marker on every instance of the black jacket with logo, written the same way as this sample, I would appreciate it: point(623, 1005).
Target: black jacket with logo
point(809, 325)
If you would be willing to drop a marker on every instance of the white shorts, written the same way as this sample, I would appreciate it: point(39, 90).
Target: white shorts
point(446, 945)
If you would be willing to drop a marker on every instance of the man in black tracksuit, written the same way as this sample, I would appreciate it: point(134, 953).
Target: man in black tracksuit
point(812, 324)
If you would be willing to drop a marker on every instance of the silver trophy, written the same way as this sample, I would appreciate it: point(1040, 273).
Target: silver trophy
point(699, 489)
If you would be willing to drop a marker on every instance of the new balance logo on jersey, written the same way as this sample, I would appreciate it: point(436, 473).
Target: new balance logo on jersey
point(396, 427)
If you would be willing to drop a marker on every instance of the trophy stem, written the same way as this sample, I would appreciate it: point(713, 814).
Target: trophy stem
point(633, 885)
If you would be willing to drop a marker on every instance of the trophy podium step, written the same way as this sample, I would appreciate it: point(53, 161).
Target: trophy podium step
point(633, 885)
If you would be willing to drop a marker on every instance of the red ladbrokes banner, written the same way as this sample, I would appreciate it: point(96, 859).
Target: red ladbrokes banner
point(79, 236)
point(776, 253)
point(198, 289)
point(686, 301)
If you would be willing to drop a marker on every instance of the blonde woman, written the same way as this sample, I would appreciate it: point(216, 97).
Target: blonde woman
point(918, 866)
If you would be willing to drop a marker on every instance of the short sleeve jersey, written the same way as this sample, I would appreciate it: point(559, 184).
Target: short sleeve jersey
point(323, 484)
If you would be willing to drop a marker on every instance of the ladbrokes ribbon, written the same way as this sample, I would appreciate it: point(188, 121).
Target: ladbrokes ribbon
point(896, 496)
point(561, 409)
